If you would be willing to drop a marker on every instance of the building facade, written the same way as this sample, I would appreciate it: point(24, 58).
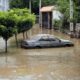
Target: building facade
point(4, 5)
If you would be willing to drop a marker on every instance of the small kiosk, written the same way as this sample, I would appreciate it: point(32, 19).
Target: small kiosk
point(47, 16)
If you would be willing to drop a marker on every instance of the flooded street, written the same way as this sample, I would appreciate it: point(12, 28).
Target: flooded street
point(40, 64)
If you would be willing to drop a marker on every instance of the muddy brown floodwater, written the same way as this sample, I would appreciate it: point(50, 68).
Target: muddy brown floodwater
point(40, 64)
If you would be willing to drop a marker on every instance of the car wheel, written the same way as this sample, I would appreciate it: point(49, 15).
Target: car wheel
point(68, 45)
point(38, 46)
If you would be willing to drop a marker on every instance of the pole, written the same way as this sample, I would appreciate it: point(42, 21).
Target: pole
point(40, 13)
point(48, 21)
point(30, 5)
point(71, 17)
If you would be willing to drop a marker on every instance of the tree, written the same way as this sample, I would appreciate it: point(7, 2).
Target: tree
point(77, 10)
point(6, 27)
point(15, 18)
point(35, 4)
point(6, 33)
point(26, 22)
point(23, 20)
point(10, 20)
point(64, 7)
point(18, 3)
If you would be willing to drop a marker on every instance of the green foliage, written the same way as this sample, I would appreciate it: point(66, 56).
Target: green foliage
point(57, 24)
point(24, 19)
point(2, 28)
point(77, 11)
point(6, 19)
point(35, 4)
point(18, 3)
point(5, 32)
point(10, 20)
point(24, 25)
point(63, 6)
point(48, 2)
point(6, 25)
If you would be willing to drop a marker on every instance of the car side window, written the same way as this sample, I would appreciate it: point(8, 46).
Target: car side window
point(41, 39)
point(44, 39)
point(47, 39)
point(51, 39)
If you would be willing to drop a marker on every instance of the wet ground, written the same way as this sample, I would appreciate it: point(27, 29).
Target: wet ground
point(40, 64)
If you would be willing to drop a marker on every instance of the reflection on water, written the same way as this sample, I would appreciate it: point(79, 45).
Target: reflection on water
point(41, 64)
point(2, 43)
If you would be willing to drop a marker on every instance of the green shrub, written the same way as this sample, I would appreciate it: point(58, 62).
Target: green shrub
point(57, 24)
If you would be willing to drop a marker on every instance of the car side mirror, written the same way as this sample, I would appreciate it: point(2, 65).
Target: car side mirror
point(59, 40)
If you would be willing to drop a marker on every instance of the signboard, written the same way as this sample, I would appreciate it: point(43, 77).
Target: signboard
point(71, 27)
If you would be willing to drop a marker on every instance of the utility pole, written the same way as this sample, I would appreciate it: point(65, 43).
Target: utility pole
point(40, 13)
point(78, 20)
point(71, 17)
point(30, 5)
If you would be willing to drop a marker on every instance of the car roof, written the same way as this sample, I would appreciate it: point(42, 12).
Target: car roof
point(39, 36)
point(44, 35)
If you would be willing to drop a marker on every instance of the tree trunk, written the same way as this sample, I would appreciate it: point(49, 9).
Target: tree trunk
point(26, 35)
point(16, 40)
point(6, 46)
point(23, 36)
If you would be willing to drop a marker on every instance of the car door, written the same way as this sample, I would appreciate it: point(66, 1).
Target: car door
point(54, 42)
point(44, 42)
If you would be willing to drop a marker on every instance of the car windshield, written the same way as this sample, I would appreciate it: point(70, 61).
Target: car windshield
point(35, 38)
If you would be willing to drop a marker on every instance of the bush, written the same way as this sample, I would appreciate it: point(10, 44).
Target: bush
point(57, 24)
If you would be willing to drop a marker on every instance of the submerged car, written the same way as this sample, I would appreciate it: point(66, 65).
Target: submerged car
point(45, 40)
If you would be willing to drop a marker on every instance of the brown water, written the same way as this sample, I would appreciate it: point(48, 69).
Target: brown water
point(40, 64)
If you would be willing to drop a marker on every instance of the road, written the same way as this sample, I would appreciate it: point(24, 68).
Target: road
point(41, 64)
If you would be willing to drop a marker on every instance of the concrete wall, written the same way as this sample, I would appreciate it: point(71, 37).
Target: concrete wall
point(57, 15)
